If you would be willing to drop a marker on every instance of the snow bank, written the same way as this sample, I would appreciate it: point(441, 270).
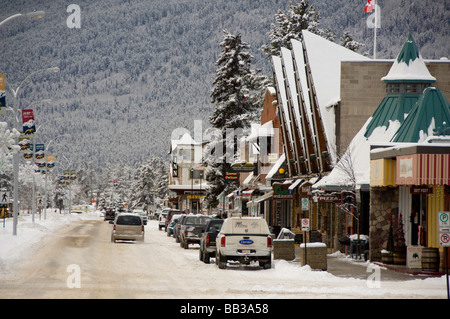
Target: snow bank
point(31, 235)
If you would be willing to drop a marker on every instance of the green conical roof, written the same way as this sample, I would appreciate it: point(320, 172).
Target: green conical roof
point(431, 112)
point(409, 52)
point(392, 107)
point(409, 66)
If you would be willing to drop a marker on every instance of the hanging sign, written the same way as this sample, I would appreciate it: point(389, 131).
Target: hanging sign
point(231, 176)
point(39, 151)
point(29, 127)
point(2, 95)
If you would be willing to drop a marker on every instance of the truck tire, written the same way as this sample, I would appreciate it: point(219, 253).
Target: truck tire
point(221, 261)
point(206, 257)
point(267, 264)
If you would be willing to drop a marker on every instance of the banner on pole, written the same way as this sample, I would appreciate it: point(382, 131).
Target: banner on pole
point(29, 128)
point(2, 95)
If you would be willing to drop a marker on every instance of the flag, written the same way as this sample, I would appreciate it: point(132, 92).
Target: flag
point(369, 6)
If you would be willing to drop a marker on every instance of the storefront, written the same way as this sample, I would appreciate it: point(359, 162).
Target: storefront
point(416, 180)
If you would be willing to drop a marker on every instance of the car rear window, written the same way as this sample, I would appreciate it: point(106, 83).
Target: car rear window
point(128, 220)
point(196, 220)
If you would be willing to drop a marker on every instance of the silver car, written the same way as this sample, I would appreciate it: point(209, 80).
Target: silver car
point(127, 226)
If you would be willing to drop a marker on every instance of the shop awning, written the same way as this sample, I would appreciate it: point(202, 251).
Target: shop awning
point(423, 169)
point(260, 199)
point(295, 184)
point(248, 192)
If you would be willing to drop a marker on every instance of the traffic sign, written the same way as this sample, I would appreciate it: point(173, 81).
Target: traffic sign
point(444, 229)
point(305, 224)
point(305, 203)
point(4, 197)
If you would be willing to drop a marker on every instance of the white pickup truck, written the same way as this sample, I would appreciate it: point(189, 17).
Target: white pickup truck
point(244, 239)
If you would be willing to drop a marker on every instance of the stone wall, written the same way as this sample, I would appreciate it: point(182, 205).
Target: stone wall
point(383, 204)
point(284, 249)
point(316, 255)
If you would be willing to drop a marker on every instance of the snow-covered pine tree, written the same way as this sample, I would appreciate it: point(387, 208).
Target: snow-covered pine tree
point(151, 183)
point(348, 42)
point(289, 25)
point(7, 147)
point(236, 91)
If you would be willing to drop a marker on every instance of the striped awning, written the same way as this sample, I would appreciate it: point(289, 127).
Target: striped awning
point(423, 169)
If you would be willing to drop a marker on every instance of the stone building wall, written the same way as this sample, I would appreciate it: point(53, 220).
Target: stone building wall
point(383, 204)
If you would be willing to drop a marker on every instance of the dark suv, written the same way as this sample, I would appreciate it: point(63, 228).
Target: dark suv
point(208, 240)
point(191, 229)
point(110, 214)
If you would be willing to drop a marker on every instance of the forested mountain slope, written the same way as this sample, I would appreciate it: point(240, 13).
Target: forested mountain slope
point(138, 69)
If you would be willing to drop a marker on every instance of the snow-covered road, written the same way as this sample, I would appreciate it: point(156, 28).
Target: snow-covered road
point(72, 257)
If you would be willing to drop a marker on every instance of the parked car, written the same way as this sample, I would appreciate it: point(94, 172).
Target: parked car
point(162, 219)
point(143, 216)
point(192, 228)
point(208, 239)
point(244, 239)
point(172, 224)
point(177, 227)
point(170, 213)
point(127, 226)
point(110, 214)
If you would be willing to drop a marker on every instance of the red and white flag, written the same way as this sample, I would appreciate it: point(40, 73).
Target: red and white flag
point(369, 6)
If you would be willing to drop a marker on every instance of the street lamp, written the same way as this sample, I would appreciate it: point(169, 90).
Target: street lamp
point(33, 14)
point(16, 155)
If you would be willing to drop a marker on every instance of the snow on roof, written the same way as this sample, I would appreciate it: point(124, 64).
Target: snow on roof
point(409, 65)
point(276, 166)
point(325, 59)
point(289, 69)
point(186, 139)
point(278, 69)
point(359, 154)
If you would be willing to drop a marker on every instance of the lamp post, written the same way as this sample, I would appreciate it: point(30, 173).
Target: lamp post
point(33, 14)
point(46, 174)
point(16, 155)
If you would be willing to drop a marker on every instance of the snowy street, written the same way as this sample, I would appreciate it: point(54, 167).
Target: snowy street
point(72, 256)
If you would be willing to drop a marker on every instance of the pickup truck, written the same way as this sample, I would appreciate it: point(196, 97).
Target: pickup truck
point(244, 239)
point(191, 230)
point(208, 240)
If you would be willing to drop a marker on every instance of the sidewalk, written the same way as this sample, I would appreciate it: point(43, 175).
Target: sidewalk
point(344, 266)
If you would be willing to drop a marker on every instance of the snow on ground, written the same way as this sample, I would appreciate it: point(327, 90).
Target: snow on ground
point(286, 279)
point(31, 235)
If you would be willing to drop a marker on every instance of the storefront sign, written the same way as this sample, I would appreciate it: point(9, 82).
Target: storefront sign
point(414, 257)
point(420, 190)
point(282, 191)
point(231, 176)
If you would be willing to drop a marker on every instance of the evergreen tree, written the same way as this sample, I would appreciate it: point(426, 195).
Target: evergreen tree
point(236, 95)
point(348, 42)
point(289, 25)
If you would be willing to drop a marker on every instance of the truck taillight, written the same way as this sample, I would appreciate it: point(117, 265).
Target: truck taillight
point(207, 239)
point(114, 227)
point(222, 241)
point(269, 242)
point(143, 229)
